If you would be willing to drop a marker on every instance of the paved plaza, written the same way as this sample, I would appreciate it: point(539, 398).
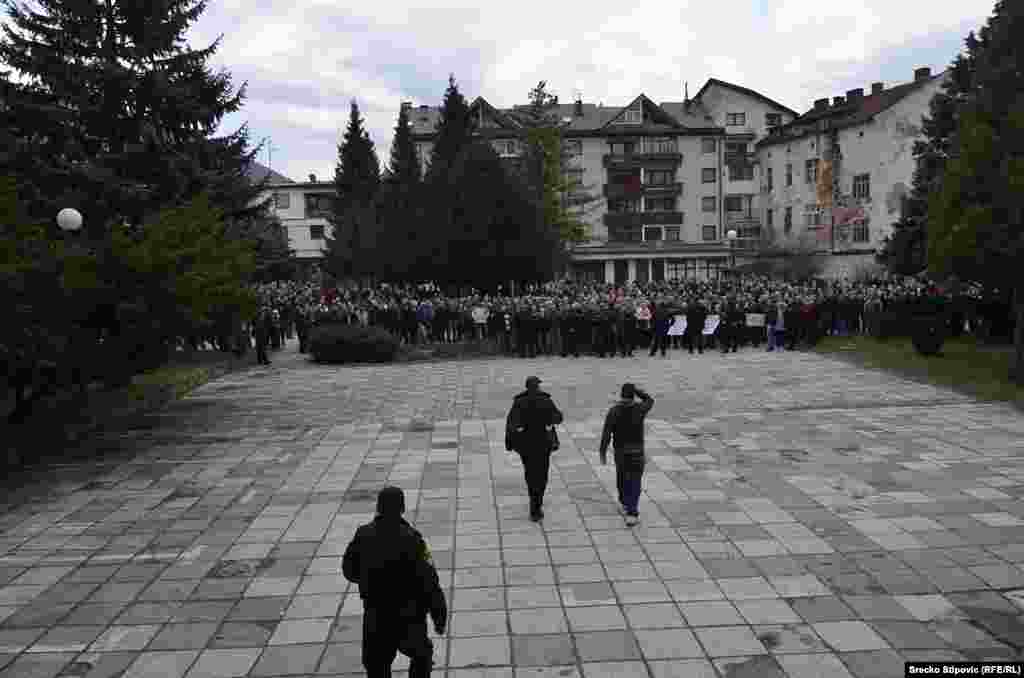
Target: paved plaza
point(801, 517)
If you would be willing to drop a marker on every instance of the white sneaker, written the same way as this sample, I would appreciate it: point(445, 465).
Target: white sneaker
point(632, 521)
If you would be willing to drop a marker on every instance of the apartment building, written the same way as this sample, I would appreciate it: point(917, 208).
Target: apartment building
point(671, 178)
point(836, 178)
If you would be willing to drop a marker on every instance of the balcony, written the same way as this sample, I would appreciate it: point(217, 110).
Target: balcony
point(643, 159)
point(613, 191)
point(625, 220)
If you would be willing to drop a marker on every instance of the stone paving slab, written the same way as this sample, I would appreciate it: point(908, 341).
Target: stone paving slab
point(800, 517)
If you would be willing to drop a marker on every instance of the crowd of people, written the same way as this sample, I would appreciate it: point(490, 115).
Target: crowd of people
point(569, 318)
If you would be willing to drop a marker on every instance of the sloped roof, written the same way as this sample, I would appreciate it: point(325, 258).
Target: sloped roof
point(848, 114)
point(694, 115)
point(424, 119)
point(742, 90)
point(257, 172)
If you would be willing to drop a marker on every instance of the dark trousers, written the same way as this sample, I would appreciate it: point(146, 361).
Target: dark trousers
point(570, 344)
point(303, 332)
point(536, 464)
point(695, 338)
point(261, 351)
point(730, 338)
point(659, 340)
point(629, 473)
point(385, 634)
point(627, 342)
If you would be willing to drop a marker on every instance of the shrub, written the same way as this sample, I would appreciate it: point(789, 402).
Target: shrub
point(339, 343)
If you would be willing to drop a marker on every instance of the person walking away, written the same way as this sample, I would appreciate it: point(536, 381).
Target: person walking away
point(624, 428)
point(302, 327)
point(696, 314)
point(528, 430)
point(262, 330)
point(732, 325)
point(660, 322)
point(390, 562)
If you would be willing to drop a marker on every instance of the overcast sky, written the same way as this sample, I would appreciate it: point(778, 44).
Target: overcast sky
point(305, 60)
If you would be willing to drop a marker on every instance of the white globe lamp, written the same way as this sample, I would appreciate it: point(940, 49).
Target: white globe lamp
point(69, 219)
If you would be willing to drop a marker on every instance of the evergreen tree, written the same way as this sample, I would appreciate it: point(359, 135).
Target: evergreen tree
point(399, 203)
point(454, 132)
point(905, 251)
point(116, 112)
point(353, 218)
point(975, 211)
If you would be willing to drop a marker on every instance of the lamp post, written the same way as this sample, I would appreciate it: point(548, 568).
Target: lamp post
point(732, 235)
point(69, 219)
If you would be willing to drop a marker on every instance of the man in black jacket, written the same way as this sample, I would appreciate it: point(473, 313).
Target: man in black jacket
point(625, 424)
point(528, 431)
point(696, 314)
point(390, 562)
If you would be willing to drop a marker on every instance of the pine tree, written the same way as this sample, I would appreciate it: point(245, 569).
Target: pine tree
point(117, 113)
point(975, 212)
point(399, 201)
point(350, 249)
point(454, 133)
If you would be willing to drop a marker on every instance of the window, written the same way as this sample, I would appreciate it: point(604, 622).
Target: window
point(318, 204)
point(708, 175)
point(624, 205)
point(672, 233)
point(708, 204)
point(633, 116)
point(741, 172)
point(574, 147)
point(659, 177)
point(769, 217)
point(787, 220)
point(811, 171)
point(674, 270)
point(770, 179)
point(862, 186)
point(660, 145)
point(506, 147)
point(622, 148)
point(735, 148)
point(709, 233)
point(659, 205)
point(652, 233)
point(316, 232)
point(282, 200)
point(733, 203)
point(735, 119)
point(860, 231)
point(708, 145)
point(789, 174)
point(812, 214)
point(773, 119)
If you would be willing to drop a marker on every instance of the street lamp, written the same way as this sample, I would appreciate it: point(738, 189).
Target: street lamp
point(732, 235)
point(69, 219)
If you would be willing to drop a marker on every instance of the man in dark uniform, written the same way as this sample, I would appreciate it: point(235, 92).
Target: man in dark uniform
point(302, 327)
point(696, 314)
point(390, 562)
point(732, 325)
point(624, 425)
point(660, 323)
point(573, 327)
point(528, 431)
point(627, 330)
point(262, 330)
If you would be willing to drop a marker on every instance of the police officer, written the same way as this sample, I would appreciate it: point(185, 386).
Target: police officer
point(390, 562)
point(263, 329)
point(529, 431)
point(696, 314)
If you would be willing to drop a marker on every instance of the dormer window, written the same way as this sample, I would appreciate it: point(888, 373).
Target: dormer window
point(632, 116)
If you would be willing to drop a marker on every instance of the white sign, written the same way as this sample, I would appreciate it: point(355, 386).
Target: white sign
point(678, 328)
point(711, 324)
point(755, 319)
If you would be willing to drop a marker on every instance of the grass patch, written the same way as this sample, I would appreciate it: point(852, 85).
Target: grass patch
point(964, 365)
point(181, 378)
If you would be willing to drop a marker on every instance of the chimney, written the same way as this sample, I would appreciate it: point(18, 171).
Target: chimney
point(877, 87)
point(838, 101)
point(312, 178)
point(922, 73)
point(821, 104)
point(855, 94)
point(578, 108)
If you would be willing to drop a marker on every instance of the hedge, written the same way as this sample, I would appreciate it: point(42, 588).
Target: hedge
point(340, 343)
